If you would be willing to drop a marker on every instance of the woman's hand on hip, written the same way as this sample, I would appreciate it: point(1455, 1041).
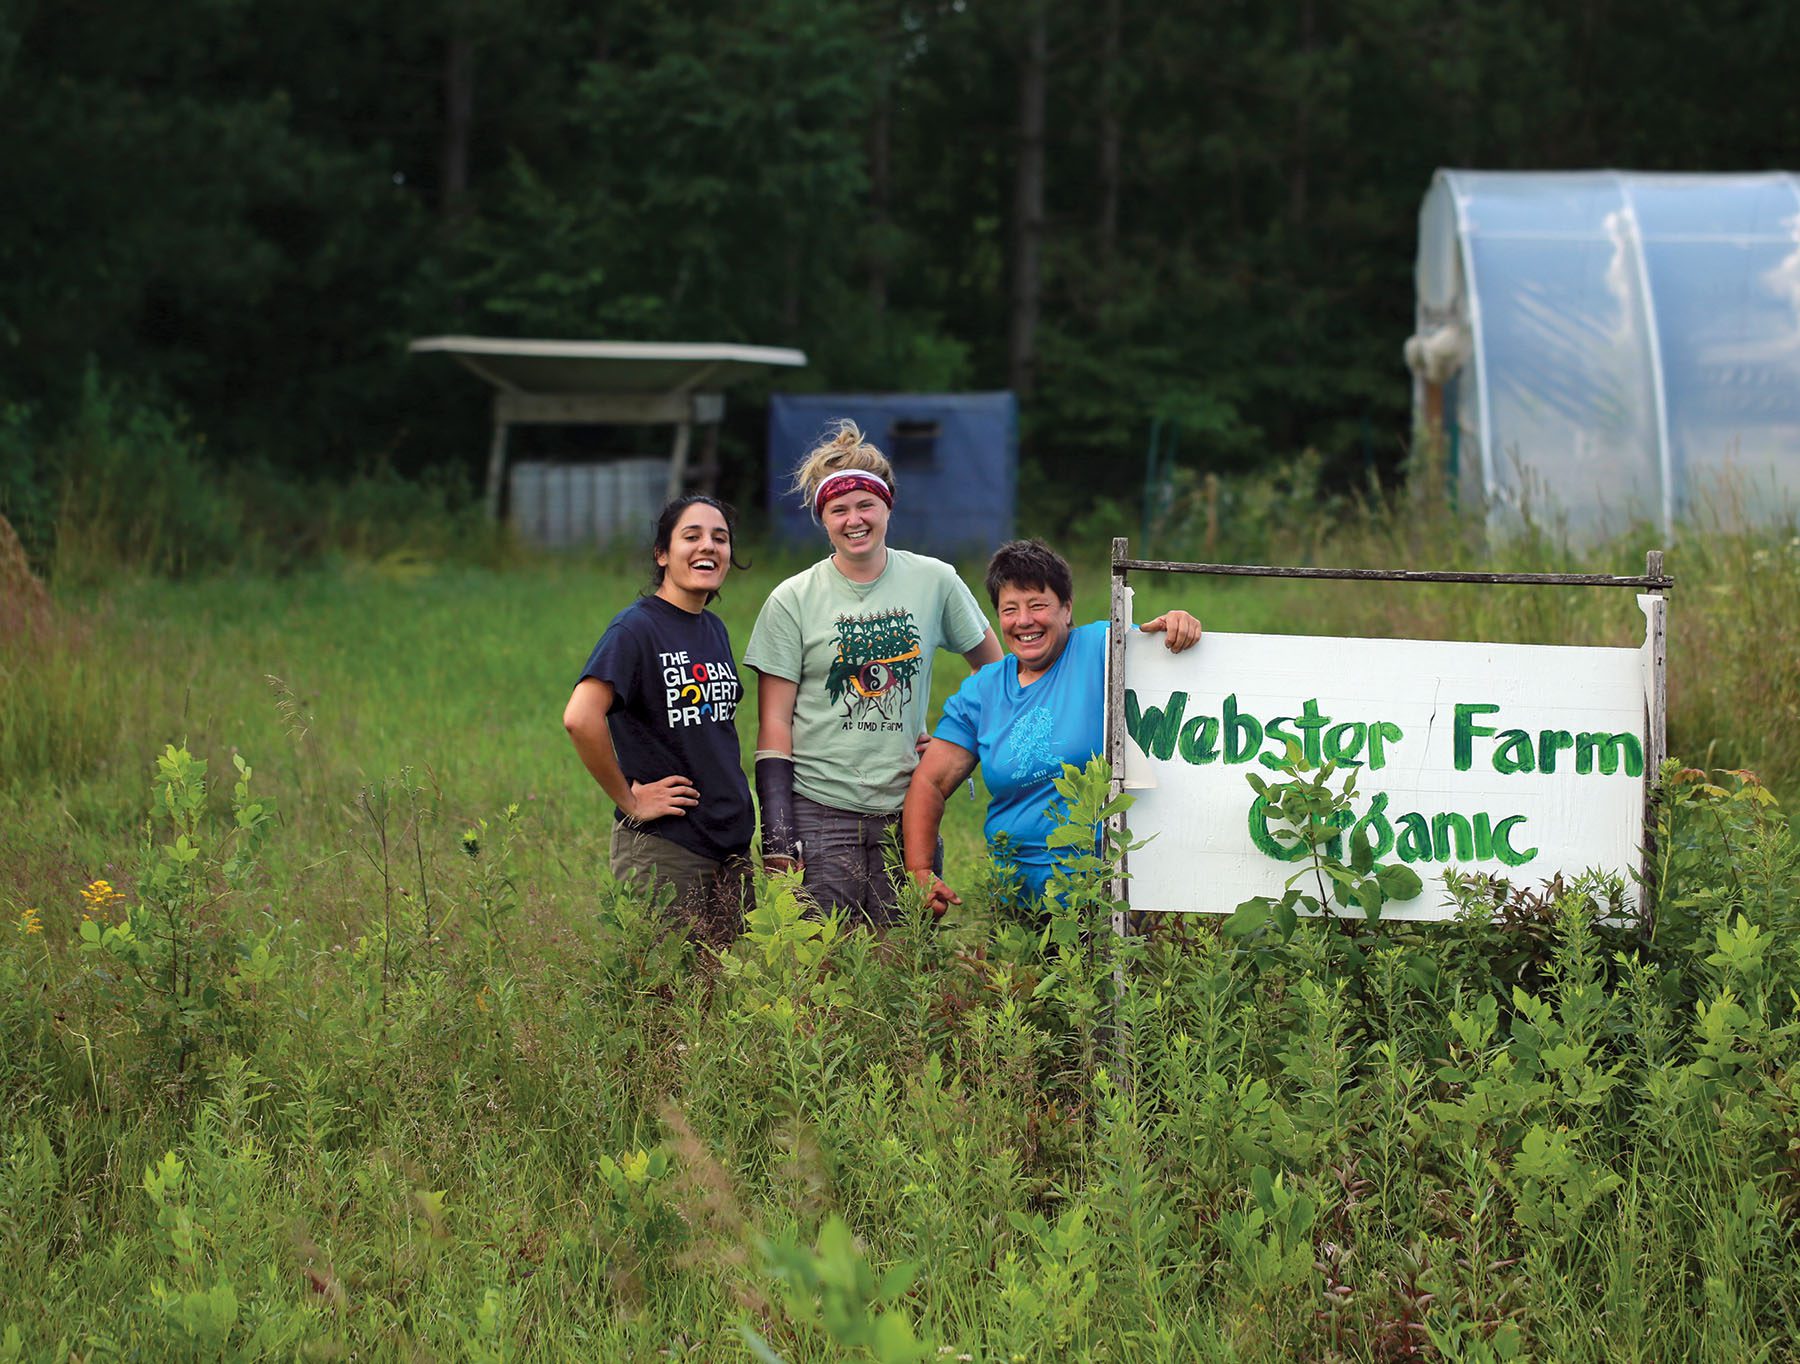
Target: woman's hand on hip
point(655, 799)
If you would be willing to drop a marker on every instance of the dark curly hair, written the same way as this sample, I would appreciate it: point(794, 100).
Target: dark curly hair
point(671, 517)
point(1030, 564)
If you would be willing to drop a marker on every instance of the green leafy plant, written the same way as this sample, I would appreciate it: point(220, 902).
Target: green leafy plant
point(1086, 961)
point(783, 963)
point(832, 1290)
point(1269, 1239)
point(637, 1215)
point(1048, 1292)
point(183, 968)
point(1722, 847)
point(492, 894)
point(1316, 817)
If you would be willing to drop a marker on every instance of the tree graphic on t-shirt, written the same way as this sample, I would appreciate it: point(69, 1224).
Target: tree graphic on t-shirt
point(878, 656)
point(1028, 747)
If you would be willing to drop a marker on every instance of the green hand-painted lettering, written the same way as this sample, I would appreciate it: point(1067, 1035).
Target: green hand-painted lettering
point(1467, 731)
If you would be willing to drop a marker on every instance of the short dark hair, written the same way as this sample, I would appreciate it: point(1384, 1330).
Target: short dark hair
point(1030, 564)
point(671, 517)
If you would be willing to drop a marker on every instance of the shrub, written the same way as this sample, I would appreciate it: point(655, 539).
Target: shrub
point(136, 491)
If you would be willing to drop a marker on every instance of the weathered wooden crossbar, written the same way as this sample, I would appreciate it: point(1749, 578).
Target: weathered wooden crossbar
point(1658, 583)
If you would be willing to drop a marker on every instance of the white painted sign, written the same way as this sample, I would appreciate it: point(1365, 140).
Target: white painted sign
point(1510, 759)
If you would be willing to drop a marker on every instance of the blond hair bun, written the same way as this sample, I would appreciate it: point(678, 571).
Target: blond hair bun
point(841, 447)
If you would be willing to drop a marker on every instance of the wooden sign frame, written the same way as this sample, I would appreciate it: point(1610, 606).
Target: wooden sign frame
point(1653, 582)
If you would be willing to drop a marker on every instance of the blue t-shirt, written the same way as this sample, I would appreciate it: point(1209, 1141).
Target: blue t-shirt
point(1022, 736)
point(675, 695)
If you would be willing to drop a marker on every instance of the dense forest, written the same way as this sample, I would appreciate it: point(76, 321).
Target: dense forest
point(239, 210)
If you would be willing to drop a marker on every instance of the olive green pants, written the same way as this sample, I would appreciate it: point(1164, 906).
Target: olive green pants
point(710, 895)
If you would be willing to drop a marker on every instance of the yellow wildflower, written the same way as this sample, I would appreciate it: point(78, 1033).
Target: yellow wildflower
point(99, 897)
point(29, 922)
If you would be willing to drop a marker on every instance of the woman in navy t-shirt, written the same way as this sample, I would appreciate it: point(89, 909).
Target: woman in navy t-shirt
point(652, 717)
point(1022, 718)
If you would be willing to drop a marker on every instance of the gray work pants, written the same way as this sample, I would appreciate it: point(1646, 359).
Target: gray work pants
point(845, 852)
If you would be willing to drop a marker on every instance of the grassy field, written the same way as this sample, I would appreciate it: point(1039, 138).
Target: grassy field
point(330, 680)
point(427, 1087)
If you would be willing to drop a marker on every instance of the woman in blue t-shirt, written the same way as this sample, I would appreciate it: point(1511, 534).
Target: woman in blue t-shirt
point(652, 718)
point(1022, 718)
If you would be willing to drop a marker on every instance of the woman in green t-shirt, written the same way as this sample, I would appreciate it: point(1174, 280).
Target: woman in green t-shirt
point(843, 655)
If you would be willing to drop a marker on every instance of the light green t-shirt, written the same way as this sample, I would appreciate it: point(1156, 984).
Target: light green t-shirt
point(860, 654)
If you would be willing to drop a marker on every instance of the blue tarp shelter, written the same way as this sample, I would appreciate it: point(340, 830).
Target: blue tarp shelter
point(955, 456)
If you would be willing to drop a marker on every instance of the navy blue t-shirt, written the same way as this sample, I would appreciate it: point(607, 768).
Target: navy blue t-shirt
point(675, 694)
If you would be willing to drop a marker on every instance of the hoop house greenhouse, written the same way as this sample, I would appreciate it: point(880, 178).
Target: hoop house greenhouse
point(1612, 345)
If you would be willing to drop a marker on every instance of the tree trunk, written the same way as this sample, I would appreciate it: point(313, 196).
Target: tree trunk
point(12, 38)
point(1303, 102)
point(459, 122)
point(790, 286)
point(1028, 203)
point(881, 130)
point(1111, 131)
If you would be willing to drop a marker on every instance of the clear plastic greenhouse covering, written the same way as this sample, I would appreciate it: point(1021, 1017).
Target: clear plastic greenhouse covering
point(1607, 347)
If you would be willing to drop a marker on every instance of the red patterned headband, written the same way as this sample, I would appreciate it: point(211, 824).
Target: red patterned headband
point(851, 481)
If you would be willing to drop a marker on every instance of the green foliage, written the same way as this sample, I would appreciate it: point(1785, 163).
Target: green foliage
point(833, 1290)
point(126, 486)
point(1047, 1293)
point(136, 491)
point(492, 897)
point(25, 495)
point(1317, 819)
point(340, 176)
point(783, 963)
point(1722, 848)
point(549, 1126)
point(186, 982)
point(1082, 898)
point(1269, 1240)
